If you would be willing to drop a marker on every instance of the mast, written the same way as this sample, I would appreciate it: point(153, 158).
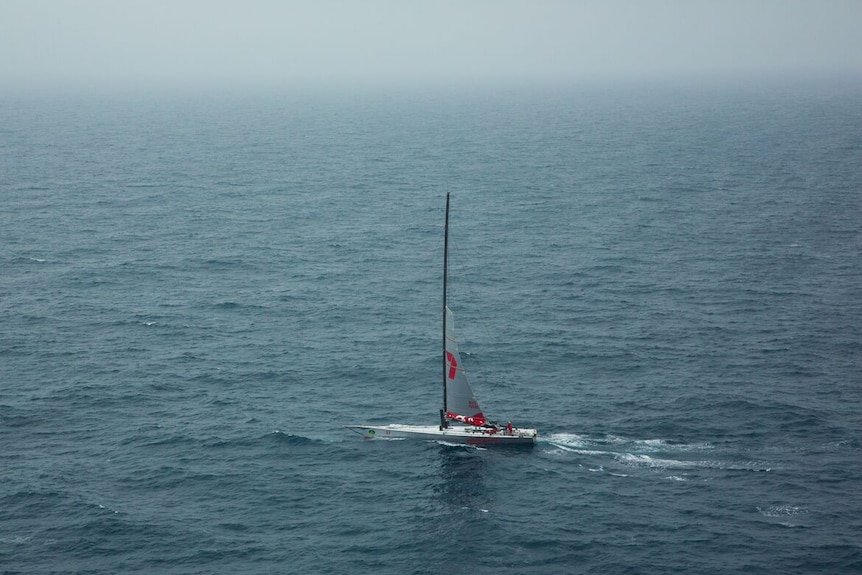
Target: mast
point(443, 422)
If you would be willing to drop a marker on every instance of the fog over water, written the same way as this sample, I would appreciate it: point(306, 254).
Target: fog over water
point(190, 43)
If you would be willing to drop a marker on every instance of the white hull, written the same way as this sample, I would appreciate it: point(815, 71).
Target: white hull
point(454, 434)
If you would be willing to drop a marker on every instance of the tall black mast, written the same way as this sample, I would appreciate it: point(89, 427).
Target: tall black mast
point(443, 422)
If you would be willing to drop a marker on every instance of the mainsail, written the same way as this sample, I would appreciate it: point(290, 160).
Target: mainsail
point(461, 405)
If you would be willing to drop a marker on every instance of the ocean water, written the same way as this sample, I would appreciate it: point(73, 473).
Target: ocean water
point(197, 291)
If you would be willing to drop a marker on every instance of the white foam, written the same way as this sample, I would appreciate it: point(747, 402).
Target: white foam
point(782, 510)
point(640, 460)
point(580, 451)
point(652, 453)
point(787, 515)
point(568, 439)
point(450, 444)
point(15, 540)
point(658, 444)
point(465, 508)
point(619, 443)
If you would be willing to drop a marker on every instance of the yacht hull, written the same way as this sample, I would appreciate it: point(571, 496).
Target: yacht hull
point(470, 435)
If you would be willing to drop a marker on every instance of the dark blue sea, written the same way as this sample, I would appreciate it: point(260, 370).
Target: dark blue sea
point(198, 290)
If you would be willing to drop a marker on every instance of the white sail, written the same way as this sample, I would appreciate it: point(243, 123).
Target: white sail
point(461, 404)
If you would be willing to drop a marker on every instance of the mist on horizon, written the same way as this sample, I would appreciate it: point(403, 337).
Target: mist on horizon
point(192, 43)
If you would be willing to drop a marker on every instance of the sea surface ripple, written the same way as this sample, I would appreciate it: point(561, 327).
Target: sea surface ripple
point(196, 293)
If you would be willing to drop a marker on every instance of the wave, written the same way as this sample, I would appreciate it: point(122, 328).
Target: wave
point(653, 453)
point(282, 437)
point(786, 515)
point(467, 446)
point(785, 510)
point(615, 443)
point(641, 460)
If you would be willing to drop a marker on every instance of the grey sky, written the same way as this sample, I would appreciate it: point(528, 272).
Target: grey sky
point(273, 42)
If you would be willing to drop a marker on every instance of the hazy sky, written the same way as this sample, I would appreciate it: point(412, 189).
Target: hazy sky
point(283, 42)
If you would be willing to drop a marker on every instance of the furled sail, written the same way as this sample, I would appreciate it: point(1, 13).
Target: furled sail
point(460, 403)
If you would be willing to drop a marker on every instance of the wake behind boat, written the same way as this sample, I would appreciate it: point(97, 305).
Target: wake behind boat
point(461, 418)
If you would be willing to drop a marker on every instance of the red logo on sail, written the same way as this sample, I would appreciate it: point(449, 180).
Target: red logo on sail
point(452, 364)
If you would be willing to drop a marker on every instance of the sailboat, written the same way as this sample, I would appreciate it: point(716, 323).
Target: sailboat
point(461, 418)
